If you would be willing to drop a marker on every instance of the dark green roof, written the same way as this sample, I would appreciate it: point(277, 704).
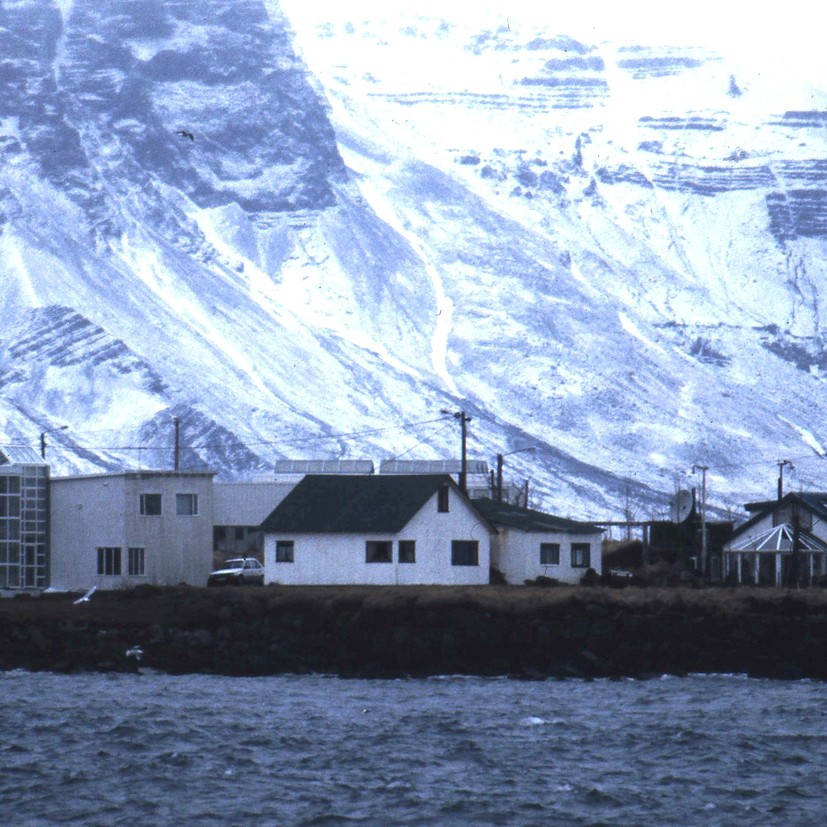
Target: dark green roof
point(514, 516)
point(342, 504)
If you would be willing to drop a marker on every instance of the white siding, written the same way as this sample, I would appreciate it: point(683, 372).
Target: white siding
point(103, 511)
point(339, 559)
point(516, 554)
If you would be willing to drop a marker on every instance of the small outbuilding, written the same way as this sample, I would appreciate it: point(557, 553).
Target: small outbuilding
point(377, 530)
point(531, 544)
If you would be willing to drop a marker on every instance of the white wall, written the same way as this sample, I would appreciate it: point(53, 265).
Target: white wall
point(103, 510)
point(516, 554)
point(337, 559)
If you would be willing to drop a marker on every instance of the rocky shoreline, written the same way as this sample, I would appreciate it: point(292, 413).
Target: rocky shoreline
point(531, 633)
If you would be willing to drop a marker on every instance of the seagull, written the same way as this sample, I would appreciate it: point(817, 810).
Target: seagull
point(185, 133)
point(87, 596)
point(135, 652)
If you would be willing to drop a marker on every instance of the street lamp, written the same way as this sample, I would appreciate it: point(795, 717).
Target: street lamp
point(464, 419)
point(500, 458)
point(43, 438)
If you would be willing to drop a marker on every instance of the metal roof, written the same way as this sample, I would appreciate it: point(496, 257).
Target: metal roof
point(427, 466)
point(20, 455)
point(778, 539)
point(323, 466)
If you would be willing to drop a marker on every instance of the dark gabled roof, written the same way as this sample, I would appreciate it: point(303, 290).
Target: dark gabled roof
point(813, 501)
point(526, 519)
point(322, 504)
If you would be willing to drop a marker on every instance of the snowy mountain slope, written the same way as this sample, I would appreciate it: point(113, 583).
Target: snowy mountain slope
point(611, 253)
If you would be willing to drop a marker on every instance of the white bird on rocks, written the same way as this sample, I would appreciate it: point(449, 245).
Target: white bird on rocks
point(87, 596)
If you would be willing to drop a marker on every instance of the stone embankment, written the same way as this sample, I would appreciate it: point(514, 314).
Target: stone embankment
point(525, 632)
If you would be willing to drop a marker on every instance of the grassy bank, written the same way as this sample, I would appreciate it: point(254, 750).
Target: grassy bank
point(369, 631)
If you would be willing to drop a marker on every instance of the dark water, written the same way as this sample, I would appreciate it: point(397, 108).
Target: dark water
point(156, 750)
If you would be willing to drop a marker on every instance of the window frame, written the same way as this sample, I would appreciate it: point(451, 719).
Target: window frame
point(109, 561)
point(580, 547)
point(372, 549)
point(550, 550)
point(144, 499)
point(184, 497)
point(409, 549)
point(136, 561)
point(283, 545)
point(443, 499)
point(461, 548)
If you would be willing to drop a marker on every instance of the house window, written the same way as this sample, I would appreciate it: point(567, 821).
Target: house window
point(150, 505)
point(465, 553)
point(136, 562)
point(109, 560)
point(442, 501)
point(581, 555)
point(550, 554)
point(186, 505)
point(284, 551)
point(378, 551)
point(407, 551)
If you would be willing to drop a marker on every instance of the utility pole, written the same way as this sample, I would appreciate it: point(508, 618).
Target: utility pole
point(177, 450)
point(499, 478)
point(781, 464)
point(703, 469)
point(464, 419)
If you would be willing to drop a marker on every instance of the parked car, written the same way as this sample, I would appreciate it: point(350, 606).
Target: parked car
point(240, 571)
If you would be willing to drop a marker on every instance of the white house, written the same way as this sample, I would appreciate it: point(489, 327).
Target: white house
point(530, 544)
point(783, 543)
point(377, 530)
point(119, 530)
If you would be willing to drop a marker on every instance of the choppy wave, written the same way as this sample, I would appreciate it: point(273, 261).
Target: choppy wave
point(154, 749)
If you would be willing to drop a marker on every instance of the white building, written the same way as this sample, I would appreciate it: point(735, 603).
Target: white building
point(784, 542)
point(376, 530)
point(239, 509)
point(24, 519)
point(119, 530)
point(530, 544)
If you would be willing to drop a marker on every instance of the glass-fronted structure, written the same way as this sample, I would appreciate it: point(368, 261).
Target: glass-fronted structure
point(24, 519)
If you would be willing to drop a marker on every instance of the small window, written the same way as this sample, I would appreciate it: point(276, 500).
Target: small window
point(550, 554)
point(465, 553)
point(580, 555)
point(407, 551)
point(136, 562)
point(150, 505)
point(284, 551)
point(109, 560)
point(378, 551)
point(186, 505)
point(443, 501)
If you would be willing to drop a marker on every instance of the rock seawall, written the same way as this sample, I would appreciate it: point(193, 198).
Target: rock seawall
point(418, 631)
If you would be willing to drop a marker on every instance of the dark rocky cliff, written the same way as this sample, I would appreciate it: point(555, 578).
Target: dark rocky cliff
point(369, 632)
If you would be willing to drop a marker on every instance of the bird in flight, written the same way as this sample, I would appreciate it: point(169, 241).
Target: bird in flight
point(185, 133)
point(87, 596)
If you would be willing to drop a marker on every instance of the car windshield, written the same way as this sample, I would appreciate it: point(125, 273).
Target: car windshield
point(233, 564)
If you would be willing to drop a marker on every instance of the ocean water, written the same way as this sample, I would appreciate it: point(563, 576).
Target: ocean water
point(152, 749)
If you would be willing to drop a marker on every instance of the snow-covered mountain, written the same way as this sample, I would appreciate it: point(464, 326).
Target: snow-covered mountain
point(306, 240)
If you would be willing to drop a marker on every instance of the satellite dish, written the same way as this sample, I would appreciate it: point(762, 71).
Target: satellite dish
point(680, 506)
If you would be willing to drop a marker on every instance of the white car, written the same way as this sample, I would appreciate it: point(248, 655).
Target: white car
point(240, 571)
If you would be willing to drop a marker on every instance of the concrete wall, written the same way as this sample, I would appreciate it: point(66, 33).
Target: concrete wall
point(337, 559)
point(516, 554)
point(103, 511)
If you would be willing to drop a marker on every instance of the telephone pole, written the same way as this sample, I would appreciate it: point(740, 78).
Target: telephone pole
point(703, 469)
point(177, 450)
point(464, 419)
